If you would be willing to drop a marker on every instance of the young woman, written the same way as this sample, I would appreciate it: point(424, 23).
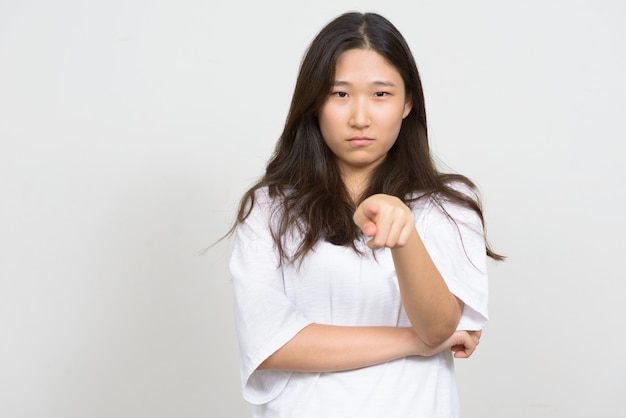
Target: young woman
point(359, 270)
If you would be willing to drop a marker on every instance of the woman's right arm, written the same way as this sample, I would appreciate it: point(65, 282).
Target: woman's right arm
point(329, 348)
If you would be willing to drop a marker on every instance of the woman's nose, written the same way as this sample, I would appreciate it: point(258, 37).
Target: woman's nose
point(359, 117)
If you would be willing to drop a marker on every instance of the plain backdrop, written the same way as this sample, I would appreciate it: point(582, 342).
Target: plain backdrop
point(130, 129)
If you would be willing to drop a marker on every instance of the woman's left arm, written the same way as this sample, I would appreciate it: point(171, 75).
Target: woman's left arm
point(433, 310)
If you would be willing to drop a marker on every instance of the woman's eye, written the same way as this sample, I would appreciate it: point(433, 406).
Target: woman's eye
point(340, 94)
point(381, 94)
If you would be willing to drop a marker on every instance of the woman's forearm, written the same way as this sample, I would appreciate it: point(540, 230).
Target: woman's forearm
point(327, 348)
point(330, 348)
point(433, 311)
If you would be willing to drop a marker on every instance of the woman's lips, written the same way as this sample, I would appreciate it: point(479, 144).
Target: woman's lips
point(360, 141)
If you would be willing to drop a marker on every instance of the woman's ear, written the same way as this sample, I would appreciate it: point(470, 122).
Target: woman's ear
point(408, 105)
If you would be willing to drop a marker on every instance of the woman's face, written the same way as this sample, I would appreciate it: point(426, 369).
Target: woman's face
point(362, 115)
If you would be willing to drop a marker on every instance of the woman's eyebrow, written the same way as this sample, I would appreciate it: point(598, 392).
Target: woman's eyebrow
point(383, 83)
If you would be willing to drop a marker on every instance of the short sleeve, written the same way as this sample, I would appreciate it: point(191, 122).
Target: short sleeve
point(457, 247)
point(265, 318)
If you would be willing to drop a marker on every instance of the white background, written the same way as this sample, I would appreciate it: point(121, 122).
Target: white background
point(130, 129)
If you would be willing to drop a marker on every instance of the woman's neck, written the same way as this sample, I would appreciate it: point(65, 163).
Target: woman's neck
point(356, 183)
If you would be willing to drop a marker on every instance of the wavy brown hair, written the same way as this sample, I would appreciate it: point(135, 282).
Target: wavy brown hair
point(302, 173)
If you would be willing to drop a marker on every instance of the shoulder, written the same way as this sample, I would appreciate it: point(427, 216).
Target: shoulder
point(469, 191)
point(442, 208)
point(264, 208)
point(256, 209)
point(260, 203)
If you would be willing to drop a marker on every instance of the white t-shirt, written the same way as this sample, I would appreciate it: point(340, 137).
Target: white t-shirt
point(337, 286)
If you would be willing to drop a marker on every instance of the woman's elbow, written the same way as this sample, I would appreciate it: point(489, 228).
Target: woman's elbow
point(437, 336)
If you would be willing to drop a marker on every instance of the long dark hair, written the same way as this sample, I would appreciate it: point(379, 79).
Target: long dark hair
point(302, 173)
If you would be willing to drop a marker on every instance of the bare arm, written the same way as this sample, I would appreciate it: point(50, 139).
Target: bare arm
point(433, 311)
point(328, 348)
